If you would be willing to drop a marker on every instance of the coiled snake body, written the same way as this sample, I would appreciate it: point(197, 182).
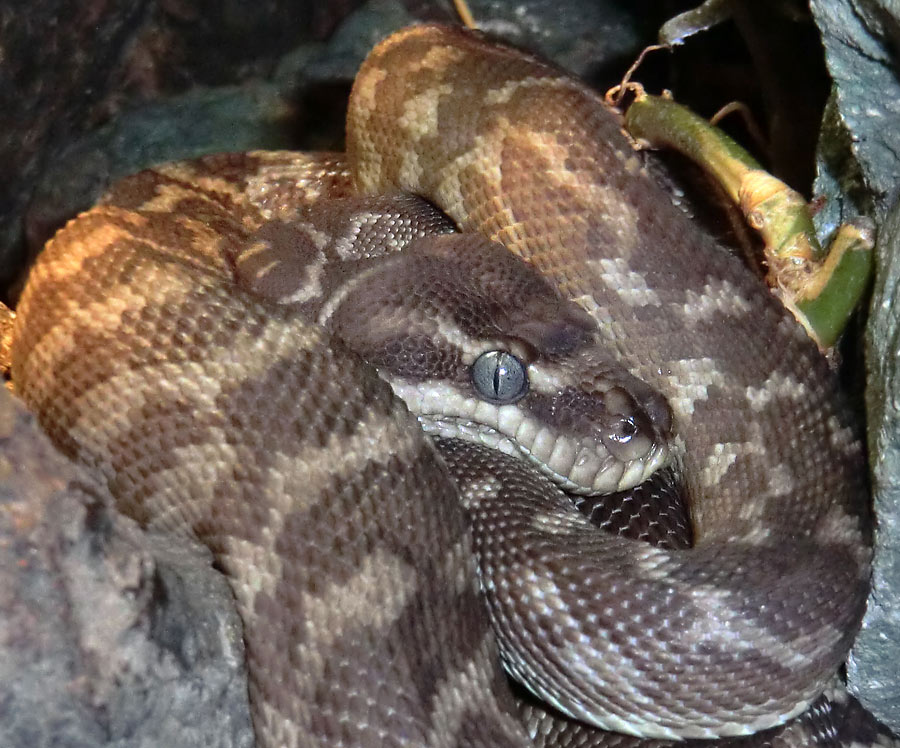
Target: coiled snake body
point(221, 400)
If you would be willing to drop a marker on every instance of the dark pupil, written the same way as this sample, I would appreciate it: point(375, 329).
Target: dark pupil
point(499, 373)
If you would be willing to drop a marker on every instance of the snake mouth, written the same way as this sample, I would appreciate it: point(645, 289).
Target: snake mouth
point(575, 466)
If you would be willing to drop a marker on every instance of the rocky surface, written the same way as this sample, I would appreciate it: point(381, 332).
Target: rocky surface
point(859, 174)
point(873, 667)
point(860, 39)
point(109, 636)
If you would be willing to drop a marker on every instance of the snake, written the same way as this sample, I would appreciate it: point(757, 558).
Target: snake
point(371, 383)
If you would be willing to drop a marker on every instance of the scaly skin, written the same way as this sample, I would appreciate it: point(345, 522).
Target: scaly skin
point(239, 423)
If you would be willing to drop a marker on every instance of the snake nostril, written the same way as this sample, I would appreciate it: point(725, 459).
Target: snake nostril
point(640, 400)
point(627, 430)
point(626, 439)
point(623, 430)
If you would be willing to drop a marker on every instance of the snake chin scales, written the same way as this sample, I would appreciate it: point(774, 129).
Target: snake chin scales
point(217, 342)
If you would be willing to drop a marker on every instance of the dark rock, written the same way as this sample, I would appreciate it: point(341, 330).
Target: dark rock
point(860, 152)
point(873, 667)
point(859, 172)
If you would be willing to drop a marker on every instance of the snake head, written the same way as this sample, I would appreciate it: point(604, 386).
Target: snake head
point(481, 347)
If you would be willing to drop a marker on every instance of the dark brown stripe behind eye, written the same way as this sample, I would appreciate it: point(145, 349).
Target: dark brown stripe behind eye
point(418, 357)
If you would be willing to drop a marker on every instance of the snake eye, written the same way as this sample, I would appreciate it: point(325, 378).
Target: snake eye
point(499, 377)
